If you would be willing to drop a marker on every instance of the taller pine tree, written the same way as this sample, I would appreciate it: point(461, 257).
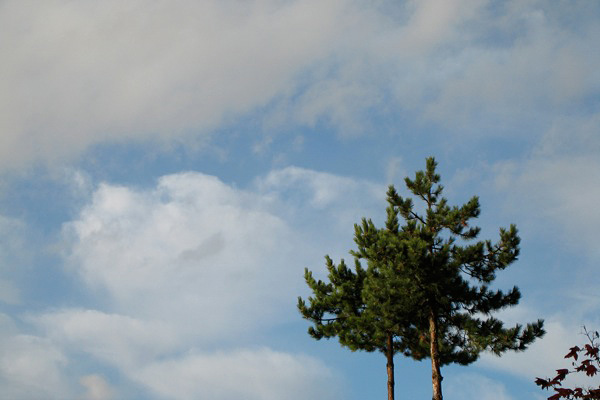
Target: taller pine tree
point(452, 277)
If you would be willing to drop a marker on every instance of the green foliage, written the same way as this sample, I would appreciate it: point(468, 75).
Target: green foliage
point(452, 273)
point(427, 277)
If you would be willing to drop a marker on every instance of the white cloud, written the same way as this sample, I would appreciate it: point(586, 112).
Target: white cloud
point(436, 22)
point(30, 366)
point(545, 67)
point(261, 374)
point(36, 367)
point(321, 190)
point(542, 357)
point(81, 74)
point(195, 246)
point(187, 267)
point(191, 247)
point(119, 340)
point(475, 387)
point(96, 388)
point(546, 355)
point(152, 355)
point(558, 191)
point(323, 207)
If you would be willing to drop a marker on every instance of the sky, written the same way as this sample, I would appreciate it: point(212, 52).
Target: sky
point(169, 168)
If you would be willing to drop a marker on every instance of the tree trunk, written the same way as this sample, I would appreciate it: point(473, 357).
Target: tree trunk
point(436, 376)
point(390, 366)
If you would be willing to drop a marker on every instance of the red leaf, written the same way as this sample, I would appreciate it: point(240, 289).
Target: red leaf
point(591, 351)
point(590, 370)
point(544, 383)
point(573, 352)
point(561, 374)
point(564, 392)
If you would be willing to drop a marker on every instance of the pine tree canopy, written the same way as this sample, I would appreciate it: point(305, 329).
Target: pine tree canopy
point(453, 272)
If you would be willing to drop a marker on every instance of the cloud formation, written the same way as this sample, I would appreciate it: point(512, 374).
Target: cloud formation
point(81, 74)
point(250, 374)
point(96, 388)
point(188, 252)
point(30, 366)
point(189, 267)
point(474, 386)
point(558, 182)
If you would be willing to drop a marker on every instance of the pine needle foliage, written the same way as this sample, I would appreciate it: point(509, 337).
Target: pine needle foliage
point(425, 291)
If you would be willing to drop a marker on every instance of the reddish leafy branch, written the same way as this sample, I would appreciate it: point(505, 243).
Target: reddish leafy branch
point(589, 364)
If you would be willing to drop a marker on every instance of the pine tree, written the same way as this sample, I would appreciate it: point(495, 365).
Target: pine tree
point(422, 293)
point(453, 277)
point(358, 308)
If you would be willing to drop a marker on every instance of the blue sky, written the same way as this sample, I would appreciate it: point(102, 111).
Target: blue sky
point(168, 170)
